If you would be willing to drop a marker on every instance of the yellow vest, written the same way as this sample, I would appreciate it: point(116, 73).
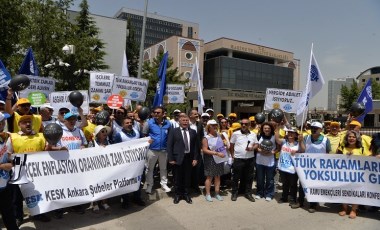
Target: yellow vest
point(28, 143)
point(36, 122)
point(355, 151)
point(89, 131)
point(334, 141)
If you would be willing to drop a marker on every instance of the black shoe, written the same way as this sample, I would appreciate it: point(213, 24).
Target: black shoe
point(139, 202)
point(42, 218)
point(234, 196)
point(188, 199)
point(176, 199)
point(124, 205)
point(19, 222)
point(296, 205)
point(282, 200)
point(249, 197)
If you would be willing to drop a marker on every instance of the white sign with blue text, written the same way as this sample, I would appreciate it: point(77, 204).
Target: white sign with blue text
point(284, 99)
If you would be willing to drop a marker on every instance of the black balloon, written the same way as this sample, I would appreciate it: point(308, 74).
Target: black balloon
point(53, 133)
point(19, 82)
point(357, 109)
point(144, 113)
point(266, 145)
point(76, 98)
point(260, 118)
point(102, 118)
point(276, 115)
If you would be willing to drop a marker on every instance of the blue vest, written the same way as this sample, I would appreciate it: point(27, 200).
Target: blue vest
point(159, 134)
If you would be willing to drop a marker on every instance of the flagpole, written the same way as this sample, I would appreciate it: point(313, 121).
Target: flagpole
point(307, 89)
point(142, 41)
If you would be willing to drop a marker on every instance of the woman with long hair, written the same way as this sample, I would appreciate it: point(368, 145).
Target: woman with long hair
point(352, 145)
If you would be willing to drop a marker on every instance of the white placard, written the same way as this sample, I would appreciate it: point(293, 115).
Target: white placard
point(130, 88)
point(60, 99)
point(67, 178)
point(100, 86)
point(45, 85)
point(337, 178)
point(175, 93)
point(284, 99)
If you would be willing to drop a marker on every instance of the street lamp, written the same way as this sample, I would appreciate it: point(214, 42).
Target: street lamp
point(68, 49)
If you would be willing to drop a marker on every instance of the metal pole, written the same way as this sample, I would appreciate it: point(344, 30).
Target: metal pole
point(142, 41)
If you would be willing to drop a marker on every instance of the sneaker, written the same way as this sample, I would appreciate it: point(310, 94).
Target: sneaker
point(257, 197)
point(95, 209)
point(268, 198)
point(208, 198)
point(165, 188)
point(149, 189)
point(106, 206)
point(311, 210)
point(218, 197)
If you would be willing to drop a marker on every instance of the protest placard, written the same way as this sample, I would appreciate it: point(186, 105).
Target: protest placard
point(337, 178)
point(44, 85)
point(60, 99)
point(67, 178)
point(130, 88)
point(174, 94)
point(284, 99)
point(100, 86)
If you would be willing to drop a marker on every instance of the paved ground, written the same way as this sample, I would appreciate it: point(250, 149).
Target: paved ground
point(161, 213)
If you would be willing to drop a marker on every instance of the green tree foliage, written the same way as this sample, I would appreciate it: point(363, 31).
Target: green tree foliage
point(12, 20)
point(375, 90)
point(89, 52)
point(150, 70)
point(132, 50)
point(349, 95)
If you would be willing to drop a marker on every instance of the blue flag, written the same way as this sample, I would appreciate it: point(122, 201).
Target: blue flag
point(161, 86)
point(5, 77)
point(366, 98)
point(29, 65)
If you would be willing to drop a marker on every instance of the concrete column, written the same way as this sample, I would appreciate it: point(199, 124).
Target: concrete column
point(228, 107)
point(230, 53)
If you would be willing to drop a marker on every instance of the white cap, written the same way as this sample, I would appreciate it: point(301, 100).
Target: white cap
point(290, 129)
point(205, 115)
point(316, 124)
point(100, 127)
point(177, 111)
point(46, 106)
point(2, 102)
point(4, 116)
point(209, 110)
point(212, 122)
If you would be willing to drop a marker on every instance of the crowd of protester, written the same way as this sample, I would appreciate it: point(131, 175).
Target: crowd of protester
point(202, 161)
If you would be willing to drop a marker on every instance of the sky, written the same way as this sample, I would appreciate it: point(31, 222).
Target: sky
point(345, 33)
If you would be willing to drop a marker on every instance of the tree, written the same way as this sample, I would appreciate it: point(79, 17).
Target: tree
point(375, 90)
point(349, 95)
point(12, 21)
point(132, 50)
point(150, 70)
point(89, 52)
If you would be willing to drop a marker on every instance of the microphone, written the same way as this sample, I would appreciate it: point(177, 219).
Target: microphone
point(248, 144)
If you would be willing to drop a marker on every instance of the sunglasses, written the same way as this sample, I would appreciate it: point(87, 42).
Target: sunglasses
point(244, 123)
point(118, 112)
point(63, 113)
point(25, 105)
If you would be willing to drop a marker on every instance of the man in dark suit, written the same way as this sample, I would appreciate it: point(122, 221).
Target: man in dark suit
point(183, 153)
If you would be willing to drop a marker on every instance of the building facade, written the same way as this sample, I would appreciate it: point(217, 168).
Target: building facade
point(158, 27)
point(334, 86)
point(236, 75)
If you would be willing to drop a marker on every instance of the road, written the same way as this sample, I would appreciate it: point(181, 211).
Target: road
point(161, 213)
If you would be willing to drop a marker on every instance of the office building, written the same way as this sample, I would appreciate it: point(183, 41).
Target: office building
point(158, 27)
point(334, 87)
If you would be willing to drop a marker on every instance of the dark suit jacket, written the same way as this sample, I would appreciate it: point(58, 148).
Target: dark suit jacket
point(176, 145)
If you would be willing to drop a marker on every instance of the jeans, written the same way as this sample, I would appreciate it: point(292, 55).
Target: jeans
point(153, 156)
point(265, 180)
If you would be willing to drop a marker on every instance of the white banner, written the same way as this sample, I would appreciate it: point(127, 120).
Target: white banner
point(100, 86)
point(60, 99)
point(130, 88)
point(62, 179)
point(45, 85)
point(175, 93)
point(337, 178)
point(284, 99)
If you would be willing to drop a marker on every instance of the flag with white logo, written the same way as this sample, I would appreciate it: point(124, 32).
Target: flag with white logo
point(366, 98)
point(29, 65)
